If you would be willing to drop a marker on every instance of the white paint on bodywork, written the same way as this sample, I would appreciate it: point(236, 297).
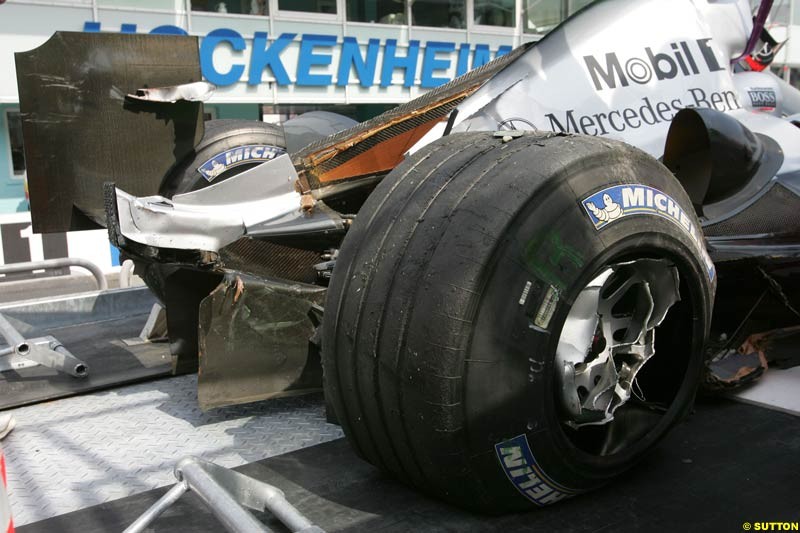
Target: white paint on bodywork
point(217, 215)
point(786, 134)
point(555, 82)
point(552, 88)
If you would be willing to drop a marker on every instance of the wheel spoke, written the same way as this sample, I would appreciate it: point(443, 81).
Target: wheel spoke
point(609, 335)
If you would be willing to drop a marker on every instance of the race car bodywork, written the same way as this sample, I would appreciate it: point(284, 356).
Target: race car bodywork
point(242, 257)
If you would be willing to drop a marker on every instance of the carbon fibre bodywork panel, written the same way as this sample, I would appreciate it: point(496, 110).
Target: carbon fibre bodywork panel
point(254, 341)
point(267, 259)
point(379, 144)
point(775, 213)
point(81, 130)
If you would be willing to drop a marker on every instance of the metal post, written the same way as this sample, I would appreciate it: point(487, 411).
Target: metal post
point(46, 351)
point(227, 493)
point(125, 274)
point(159, 507)
point(787, 75)
point(254, 494)
point(284, 511)
point(13, 337)
point(233, 516)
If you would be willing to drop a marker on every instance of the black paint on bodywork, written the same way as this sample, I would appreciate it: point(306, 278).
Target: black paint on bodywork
point(254, 340)
point(80, 130)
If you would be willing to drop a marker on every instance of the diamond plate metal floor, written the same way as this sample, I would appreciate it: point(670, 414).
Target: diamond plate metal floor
point(76, 452)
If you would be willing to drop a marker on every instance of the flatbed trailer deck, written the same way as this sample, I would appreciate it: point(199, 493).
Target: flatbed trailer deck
point(95, 461)
point(729, 464)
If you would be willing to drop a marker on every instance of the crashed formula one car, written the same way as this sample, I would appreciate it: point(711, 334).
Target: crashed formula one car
point(510, 305)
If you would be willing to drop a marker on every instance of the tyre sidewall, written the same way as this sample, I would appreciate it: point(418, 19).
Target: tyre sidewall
point(553, 243)
point(221, 136)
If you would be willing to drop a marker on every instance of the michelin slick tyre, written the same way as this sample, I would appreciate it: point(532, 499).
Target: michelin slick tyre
point(221, 141)
point(476, 296)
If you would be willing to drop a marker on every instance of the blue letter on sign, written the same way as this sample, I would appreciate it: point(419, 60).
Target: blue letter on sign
point(265, 55)
point(463, 59)
point(481, 55)
point(167, 29)
point(502, 50)
point(207, 47)
point(308, 59)
point(351, 55)
point(407, 63)
point(430, 63)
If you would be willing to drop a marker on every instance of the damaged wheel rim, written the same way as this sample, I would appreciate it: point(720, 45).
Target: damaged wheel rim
point(609, 335)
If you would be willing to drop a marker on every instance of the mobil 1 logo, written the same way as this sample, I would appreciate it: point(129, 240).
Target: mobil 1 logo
point(682, 58)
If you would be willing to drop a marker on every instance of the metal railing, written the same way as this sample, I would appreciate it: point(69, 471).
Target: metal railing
point(63, 262)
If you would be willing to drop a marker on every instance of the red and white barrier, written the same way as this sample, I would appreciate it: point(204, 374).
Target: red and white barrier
point(5, 507)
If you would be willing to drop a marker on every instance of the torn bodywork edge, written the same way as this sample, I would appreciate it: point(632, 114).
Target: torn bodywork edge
point(320, 161)
point(262, 201)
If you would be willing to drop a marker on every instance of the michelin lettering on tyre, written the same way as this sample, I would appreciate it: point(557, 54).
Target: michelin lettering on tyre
point(526, 475)
point(614, 203)
point(237, 156)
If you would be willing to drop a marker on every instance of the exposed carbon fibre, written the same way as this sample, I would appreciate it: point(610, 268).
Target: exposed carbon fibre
point(777, 212)
point(328, 153)
point(265, 259)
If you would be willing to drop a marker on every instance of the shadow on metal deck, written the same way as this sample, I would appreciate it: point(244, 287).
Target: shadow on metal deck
point(728, 464)
point(94, 327)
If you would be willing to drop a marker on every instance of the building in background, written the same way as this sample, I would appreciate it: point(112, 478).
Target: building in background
point(273, 59)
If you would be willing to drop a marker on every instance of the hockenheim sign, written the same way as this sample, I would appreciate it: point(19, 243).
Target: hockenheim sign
point(373, 63)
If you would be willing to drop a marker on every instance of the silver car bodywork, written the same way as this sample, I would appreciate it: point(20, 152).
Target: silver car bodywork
point(619, 69)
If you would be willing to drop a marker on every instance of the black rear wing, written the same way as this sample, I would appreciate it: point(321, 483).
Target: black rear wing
point(80, 129)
